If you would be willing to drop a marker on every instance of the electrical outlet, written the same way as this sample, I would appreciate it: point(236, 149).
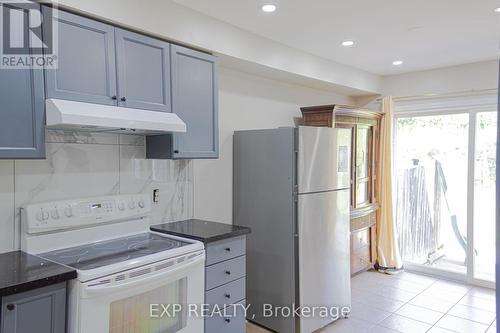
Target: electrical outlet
point(156, 195)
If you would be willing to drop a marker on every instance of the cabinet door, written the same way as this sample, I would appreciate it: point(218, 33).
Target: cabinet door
point(143, 71)
point(195, 101)
point(40, 310)
point(86, 69)
point(22, 112)
point(363, 160)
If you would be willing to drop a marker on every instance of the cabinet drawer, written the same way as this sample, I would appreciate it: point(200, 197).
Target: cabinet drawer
point(363, 221)
point(360, 259)
point(227, 294)
point(230, 323)
point(224, 272)
point(225, 250)
point(360, 239)
point(360, 222)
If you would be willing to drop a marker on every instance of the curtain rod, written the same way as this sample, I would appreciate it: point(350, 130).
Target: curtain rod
point(453, 94)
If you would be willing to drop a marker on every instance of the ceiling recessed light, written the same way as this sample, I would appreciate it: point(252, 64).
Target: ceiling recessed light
point(397, 62)
point(268, 8)
point(348, 43)
point(497, 10)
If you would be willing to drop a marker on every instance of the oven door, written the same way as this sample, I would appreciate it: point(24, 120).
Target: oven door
point(153, 298)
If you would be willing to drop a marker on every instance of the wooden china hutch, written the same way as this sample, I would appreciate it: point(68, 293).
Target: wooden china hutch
point(365, 133)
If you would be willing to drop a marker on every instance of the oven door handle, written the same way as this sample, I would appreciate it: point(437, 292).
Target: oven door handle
point(148, 280)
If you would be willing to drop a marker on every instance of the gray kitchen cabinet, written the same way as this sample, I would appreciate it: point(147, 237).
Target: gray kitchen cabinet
point(22, 111)
point(225, 272)
point(225, 284)
point(195, 101)
point(41, 310)
point(86, 69)
point(230, 293)
point(232, 322)
point(143, 73)
point(218, 251)
point(99, 63)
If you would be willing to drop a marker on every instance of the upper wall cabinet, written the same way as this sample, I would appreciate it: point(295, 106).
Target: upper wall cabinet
point(86, 60)
point(22, 112)
point(98, 63)
point(195, 101)
point(102, 64)
point(143, 71)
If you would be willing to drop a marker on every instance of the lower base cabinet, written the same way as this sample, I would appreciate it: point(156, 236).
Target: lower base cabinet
point(363, 242)
point(225, 282)
point(41, 310)
point(232, 320)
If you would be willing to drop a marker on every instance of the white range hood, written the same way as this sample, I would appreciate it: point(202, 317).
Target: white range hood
point(70, 115)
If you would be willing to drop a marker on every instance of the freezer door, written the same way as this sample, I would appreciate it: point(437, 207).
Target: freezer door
point(324, 274)
point(323, 159)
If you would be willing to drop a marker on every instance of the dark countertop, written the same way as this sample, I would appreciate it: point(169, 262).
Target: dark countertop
point(203, 231)
point(20, 272)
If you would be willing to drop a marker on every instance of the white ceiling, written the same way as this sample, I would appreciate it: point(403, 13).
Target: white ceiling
point(425, 34)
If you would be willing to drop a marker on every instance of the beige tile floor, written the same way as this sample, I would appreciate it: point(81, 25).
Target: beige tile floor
point(412, 303)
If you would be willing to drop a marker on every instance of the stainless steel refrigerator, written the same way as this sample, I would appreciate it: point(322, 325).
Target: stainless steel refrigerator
point(291, 186)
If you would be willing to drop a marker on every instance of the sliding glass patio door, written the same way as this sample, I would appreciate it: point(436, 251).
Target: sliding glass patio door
point(444, 195)
point(484, 196)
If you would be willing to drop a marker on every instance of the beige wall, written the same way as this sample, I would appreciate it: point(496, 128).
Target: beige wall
point(246, 102)
point(170, 20)
point(476, 76)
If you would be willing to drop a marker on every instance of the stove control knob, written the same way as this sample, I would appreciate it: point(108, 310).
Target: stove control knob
point(141, 203)
point(121, 205)
point(45, 215)
point(54, 214)
point(68, 211)
point(131, 204)
point(39, 215)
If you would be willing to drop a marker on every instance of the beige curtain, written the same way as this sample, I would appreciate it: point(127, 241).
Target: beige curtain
point(388, 256)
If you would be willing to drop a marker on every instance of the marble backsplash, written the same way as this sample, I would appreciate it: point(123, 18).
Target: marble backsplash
point(80, 165)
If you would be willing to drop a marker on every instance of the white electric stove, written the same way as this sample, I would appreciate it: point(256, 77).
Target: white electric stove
point(124, 271)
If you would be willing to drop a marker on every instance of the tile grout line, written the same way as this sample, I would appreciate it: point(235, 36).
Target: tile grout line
point(454, 303)
point(448, 312)
point(408, 303)
point(442, 314)
point(404, 303)
point(491, 325)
